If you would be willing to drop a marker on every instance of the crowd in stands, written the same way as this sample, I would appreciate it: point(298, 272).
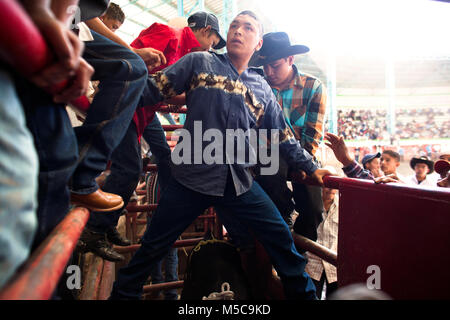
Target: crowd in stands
point(424, 123)
point(49, 165)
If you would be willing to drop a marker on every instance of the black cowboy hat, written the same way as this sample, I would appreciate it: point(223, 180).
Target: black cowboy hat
point(276, 45)
point(422, 159)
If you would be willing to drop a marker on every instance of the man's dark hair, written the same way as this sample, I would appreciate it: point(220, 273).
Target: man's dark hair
point(392, 154)
point(114, 12)
point(254, 16)
point(200, 28)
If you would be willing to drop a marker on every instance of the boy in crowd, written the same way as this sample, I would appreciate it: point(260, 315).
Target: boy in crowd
point(113, 17)
point(371, 162)
point(389, 162)
point(422, 167)
point(302, 98)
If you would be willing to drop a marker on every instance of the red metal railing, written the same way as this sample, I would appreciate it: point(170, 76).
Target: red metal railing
point(400, 230)
point(38, 278)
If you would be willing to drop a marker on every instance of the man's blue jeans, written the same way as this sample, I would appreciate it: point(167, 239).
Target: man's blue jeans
point(180, 206)
point(56, 145)
point(126, 168)
point(156, 140)
point(123, 76)
point(170, 271)
point(18, 182)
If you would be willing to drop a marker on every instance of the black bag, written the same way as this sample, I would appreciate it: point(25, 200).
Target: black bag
point(211, 264)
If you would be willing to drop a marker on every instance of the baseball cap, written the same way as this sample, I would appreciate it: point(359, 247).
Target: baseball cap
point(203, 19)
point(370, 157)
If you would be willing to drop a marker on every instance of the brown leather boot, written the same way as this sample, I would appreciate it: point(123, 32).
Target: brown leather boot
point(98, 201)
point(116, 238)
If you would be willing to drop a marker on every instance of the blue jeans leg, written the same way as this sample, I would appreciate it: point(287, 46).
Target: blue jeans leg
point(309, 205)
point(18, 182)
point(170, 270)
point(126, 169)
point(156, 139)
point(177, 209)
point(56, 145)
point(123, 76)
point(257, 212)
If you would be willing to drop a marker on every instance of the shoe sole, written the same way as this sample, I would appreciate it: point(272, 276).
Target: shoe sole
point(98, 209)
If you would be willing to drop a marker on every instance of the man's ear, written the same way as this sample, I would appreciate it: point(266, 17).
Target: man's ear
point(259, 45)
point(207, 29)
point(291, 60)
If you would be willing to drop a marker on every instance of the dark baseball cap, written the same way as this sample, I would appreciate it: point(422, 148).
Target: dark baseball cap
point(203, 19)
point(370, 157)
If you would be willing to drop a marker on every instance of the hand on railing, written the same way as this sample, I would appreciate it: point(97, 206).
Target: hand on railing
point(316, 177)
point(386, 179)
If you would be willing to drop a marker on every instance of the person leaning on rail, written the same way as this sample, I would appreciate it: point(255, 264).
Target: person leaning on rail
point(302, 98)
point(223, 94)
point(352, 169)
point(203, 34)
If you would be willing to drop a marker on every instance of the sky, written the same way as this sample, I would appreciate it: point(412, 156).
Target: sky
point(396, 28)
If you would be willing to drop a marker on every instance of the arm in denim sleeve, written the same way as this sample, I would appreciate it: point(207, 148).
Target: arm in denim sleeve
point(297, 157)
point(354, 170)
point(170, 82)
point(312, 131)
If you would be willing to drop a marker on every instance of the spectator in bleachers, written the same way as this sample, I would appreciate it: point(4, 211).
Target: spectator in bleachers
point(371, 162)
point(422, 167)
point(370, 125)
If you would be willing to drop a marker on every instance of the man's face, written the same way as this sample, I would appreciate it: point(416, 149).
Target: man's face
point(445, 181)
point(207, 39)
point(243, 37)
point(278, 71)
point(388, 164)
point(328, 194)
point(112, 24)
point(421, 170)
point(374, 167)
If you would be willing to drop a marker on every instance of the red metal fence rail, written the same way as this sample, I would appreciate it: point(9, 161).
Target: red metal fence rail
point(38, 278)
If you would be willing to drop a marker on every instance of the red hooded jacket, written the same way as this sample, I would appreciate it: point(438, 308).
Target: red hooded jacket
point(174, 43)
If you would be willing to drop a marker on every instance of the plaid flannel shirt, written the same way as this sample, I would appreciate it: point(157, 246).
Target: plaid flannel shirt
point(304, 106)
point(327, 235)
point(355, 170)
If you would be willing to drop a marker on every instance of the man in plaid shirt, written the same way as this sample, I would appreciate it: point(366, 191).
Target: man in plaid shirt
point(303, 100)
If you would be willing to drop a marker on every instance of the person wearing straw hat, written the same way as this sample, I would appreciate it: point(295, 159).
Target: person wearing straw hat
point(303, 100)
point(422, 167)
